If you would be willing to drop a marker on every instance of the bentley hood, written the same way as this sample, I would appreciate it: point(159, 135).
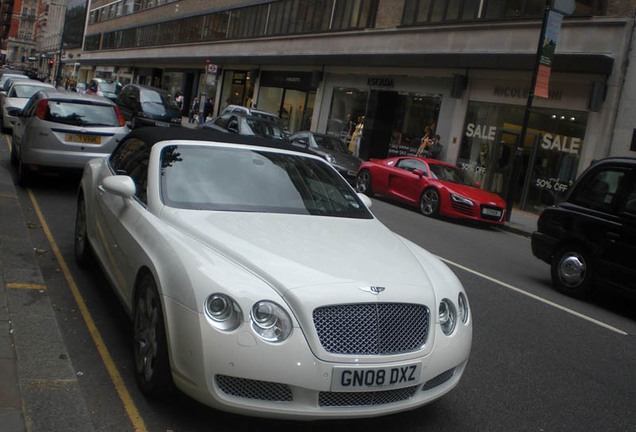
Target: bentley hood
point(294, 251)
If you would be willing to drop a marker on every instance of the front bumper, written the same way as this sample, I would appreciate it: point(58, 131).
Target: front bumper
point(543, 246)
point(240, 373)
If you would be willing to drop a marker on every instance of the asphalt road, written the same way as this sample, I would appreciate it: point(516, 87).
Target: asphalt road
point(540, 361)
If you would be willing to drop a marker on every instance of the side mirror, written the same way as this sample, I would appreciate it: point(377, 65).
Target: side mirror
point(478, 184)
point(233, 129)
point(120, 185)
point(418, 172)
point(365, 200)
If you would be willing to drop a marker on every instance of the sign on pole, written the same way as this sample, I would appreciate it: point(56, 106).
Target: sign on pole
point(553, 27)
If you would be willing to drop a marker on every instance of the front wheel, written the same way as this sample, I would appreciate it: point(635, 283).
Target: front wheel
point(363, 182)
point(152, 366)
point(430, 202)
point(571, 271)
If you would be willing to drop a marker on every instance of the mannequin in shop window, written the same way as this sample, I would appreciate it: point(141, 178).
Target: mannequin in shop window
point(354, 145)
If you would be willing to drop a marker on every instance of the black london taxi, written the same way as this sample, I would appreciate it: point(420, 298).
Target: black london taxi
point(589, 239)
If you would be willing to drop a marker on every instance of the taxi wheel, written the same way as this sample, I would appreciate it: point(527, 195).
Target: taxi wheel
point(363, 182)
point(429, 202)
point(571, 271)
point(152, 366)
point(83, 252)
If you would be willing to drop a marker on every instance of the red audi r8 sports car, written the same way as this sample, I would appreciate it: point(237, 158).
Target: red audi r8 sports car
point(436, 187)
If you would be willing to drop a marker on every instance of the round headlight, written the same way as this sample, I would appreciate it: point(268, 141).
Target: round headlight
point(462, 303)
point(270, 321)
point(447, 316)
point(223, 311)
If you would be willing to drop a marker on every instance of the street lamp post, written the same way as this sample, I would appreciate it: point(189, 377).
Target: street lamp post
point(58, 69)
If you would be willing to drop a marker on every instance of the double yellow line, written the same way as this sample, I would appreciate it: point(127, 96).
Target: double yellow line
point(122, 391)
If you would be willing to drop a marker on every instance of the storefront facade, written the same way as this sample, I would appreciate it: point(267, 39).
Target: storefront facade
point(544, 168)
point(392, 112)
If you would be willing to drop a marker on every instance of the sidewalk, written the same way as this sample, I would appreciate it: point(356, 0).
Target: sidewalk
point(39, 391)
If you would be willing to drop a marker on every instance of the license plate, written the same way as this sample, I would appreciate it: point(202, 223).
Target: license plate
point(367, 378)
point(491, 212)
point(162, 124)
point(84, 139)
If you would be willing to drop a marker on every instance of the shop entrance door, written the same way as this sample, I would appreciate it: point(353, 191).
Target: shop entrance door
point(378, 123)
point(507, 167)
point(501, 161)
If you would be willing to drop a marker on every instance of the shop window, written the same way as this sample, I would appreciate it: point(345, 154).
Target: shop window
point(548, 162)
point(347, 106)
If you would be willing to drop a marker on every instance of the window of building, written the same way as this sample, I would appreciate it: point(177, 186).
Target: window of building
point(434, 11)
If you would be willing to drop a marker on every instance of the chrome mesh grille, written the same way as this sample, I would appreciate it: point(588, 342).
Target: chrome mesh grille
point(253, 389)
point(342, 399)
point(372, 328)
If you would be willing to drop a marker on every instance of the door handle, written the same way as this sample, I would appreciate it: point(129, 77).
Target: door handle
point(613, 236)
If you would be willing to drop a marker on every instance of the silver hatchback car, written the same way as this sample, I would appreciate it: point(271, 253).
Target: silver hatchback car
point(63, 130)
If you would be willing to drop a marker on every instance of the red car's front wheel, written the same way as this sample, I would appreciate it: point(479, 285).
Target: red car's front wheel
point(430, 202)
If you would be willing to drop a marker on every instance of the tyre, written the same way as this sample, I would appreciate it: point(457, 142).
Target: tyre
point(430, 202)
point(571, 271)
point(83, 251)
point(363, 182)
point(150, 350)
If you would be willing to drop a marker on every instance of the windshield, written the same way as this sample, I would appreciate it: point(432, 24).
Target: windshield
point(81, 114)
point(165, 99)
point(451, 174)
point(265, 129)
point(329, 143)
point(106, 87)
point(26, 90)
point(241, 180)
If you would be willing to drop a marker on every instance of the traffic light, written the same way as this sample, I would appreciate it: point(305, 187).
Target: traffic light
point(50, 64)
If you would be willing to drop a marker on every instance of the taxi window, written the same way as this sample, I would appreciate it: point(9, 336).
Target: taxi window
point(598, 190)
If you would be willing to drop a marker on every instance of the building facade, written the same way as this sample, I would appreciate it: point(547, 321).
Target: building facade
point(18, 47)
point(459, 68)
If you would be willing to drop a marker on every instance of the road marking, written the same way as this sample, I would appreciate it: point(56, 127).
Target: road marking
point(536, 297)
point(122, 391)
point(26, 286)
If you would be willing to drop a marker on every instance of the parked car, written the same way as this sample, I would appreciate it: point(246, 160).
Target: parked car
point(16, 98)
point(256, 113)
point(437, 188)
point(11, 74)
point(589, 239)
point(243, 124)
point(148, 106)
point(107, 88)
point(63, 130)
point(332, 149)
point(246, 309)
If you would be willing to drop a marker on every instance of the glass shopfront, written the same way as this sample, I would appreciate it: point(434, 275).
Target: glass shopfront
point(544, 168)
point(238, 88)
point(392, 122)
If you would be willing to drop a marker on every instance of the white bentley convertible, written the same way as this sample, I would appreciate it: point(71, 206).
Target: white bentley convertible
point(259, 283)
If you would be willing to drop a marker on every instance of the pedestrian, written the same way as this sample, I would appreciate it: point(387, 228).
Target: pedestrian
point(179, 100)
point(435, 148)
point(208, 107)
point(194, 111)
